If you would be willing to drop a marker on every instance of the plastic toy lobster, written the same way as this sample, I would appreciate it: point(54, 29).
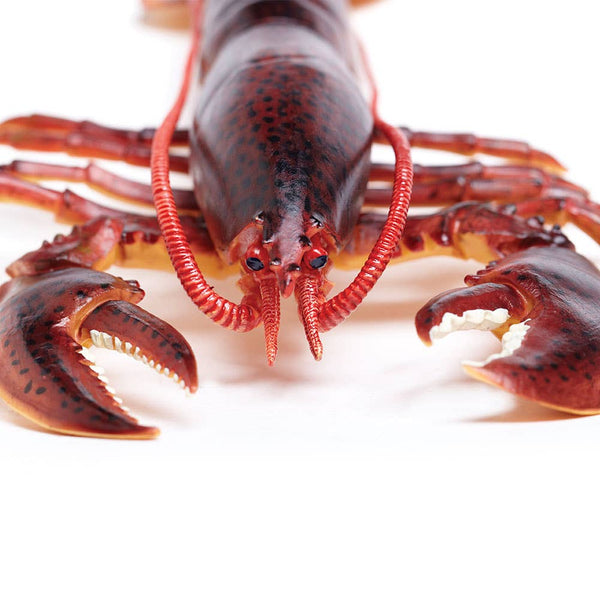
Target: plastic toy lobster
point(284, 187)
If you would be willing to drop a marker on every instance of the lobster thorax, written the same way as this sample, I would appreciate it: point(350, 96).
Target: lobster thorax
point(281, 136)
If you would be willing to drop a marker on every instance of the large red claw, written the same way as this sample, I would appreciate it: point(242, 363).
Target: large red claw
point(545, 305)
point(45, 319)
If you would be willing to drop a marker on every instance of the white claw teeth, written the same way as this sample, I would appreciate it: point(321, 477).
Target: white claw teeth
point(477, 318)
point(97, 369)
point(87, 354)
point(101, 339)
point(96, 337)
point(108, 341)
point(485, 320)
point(511, 341)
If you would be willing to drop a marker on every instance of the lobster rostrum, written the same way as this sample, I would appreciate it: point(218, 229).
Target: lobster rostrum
point(284, 187)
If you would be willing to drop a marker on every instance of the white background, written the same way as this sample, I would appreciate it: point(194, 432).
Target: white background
point(382, 472)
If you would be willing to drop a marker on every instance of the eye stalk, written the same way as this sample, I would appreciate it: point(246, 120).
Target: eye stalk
point(316, 258)
point(255, 264)
point(256, 259)
point(319, 262)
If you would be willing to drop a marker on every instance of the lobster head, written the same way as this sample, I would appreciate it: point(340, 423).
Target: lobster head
point(281, 190)
point(295, 260)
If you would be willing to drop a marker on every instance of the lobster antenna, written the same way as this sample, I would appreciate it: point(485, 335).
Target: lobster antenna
point(239, 317)
point(335, 310)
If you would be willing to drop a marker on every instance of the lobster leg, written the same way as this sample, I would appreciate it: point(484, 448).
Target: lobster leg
point(106, 236)
point(83, 138)
point(445, 185)
point(45, 124)
point(97, 177)
point(531, 192)
point(469, 145)
point(468, 230)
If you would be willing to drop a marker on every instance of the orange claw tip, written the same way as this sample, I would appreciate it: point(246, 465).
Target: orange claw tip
point(135, 432)
point(100, 417)
point(141, 432)
point(490, 377)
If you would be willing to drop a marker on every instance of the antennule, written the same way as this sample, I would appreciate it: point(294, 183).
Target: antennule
point(269, 293)
point(307, 293)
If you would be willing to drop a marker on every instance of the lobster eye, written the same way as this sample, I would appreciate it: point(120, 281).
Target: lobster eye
point(255, 263)
point(318, 262)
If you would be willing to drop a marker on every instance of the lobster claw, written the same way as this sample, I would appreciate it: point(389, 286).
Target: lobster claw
point(544, 305)
point(44, 322)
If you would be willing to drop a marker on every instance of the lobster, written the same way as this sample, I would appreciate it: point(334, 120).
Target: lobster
point(284, 187)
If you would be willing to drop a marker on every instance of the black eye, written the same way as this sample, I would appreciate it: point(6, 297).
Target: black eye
point(255, 263)
point(317, 263)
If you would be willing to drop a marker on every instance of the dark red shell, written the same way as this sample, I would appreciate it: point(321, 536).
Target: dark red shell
point(45, 318)
point(556, 291)
point(282, 130)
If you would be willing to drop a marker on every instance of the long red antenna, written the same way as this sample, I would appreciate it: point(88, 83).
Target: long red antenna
point(335, 310)
point(239, 317)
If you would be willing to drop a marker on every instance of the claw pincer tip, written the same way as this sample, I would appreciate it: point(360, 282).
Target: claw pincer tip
point(43, 325)
point(554, 358)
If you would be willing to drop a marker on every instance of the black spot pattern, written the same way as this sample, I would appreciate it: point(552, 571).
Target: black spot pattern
point(282, 130)
point(47, 379)
point(561, 287)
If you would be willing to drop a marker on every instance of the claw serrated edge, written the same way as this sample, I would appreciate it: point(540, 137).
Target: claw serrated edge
point(101, 339)
point(477, 318)
point(484, 320)
point(511, 341)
